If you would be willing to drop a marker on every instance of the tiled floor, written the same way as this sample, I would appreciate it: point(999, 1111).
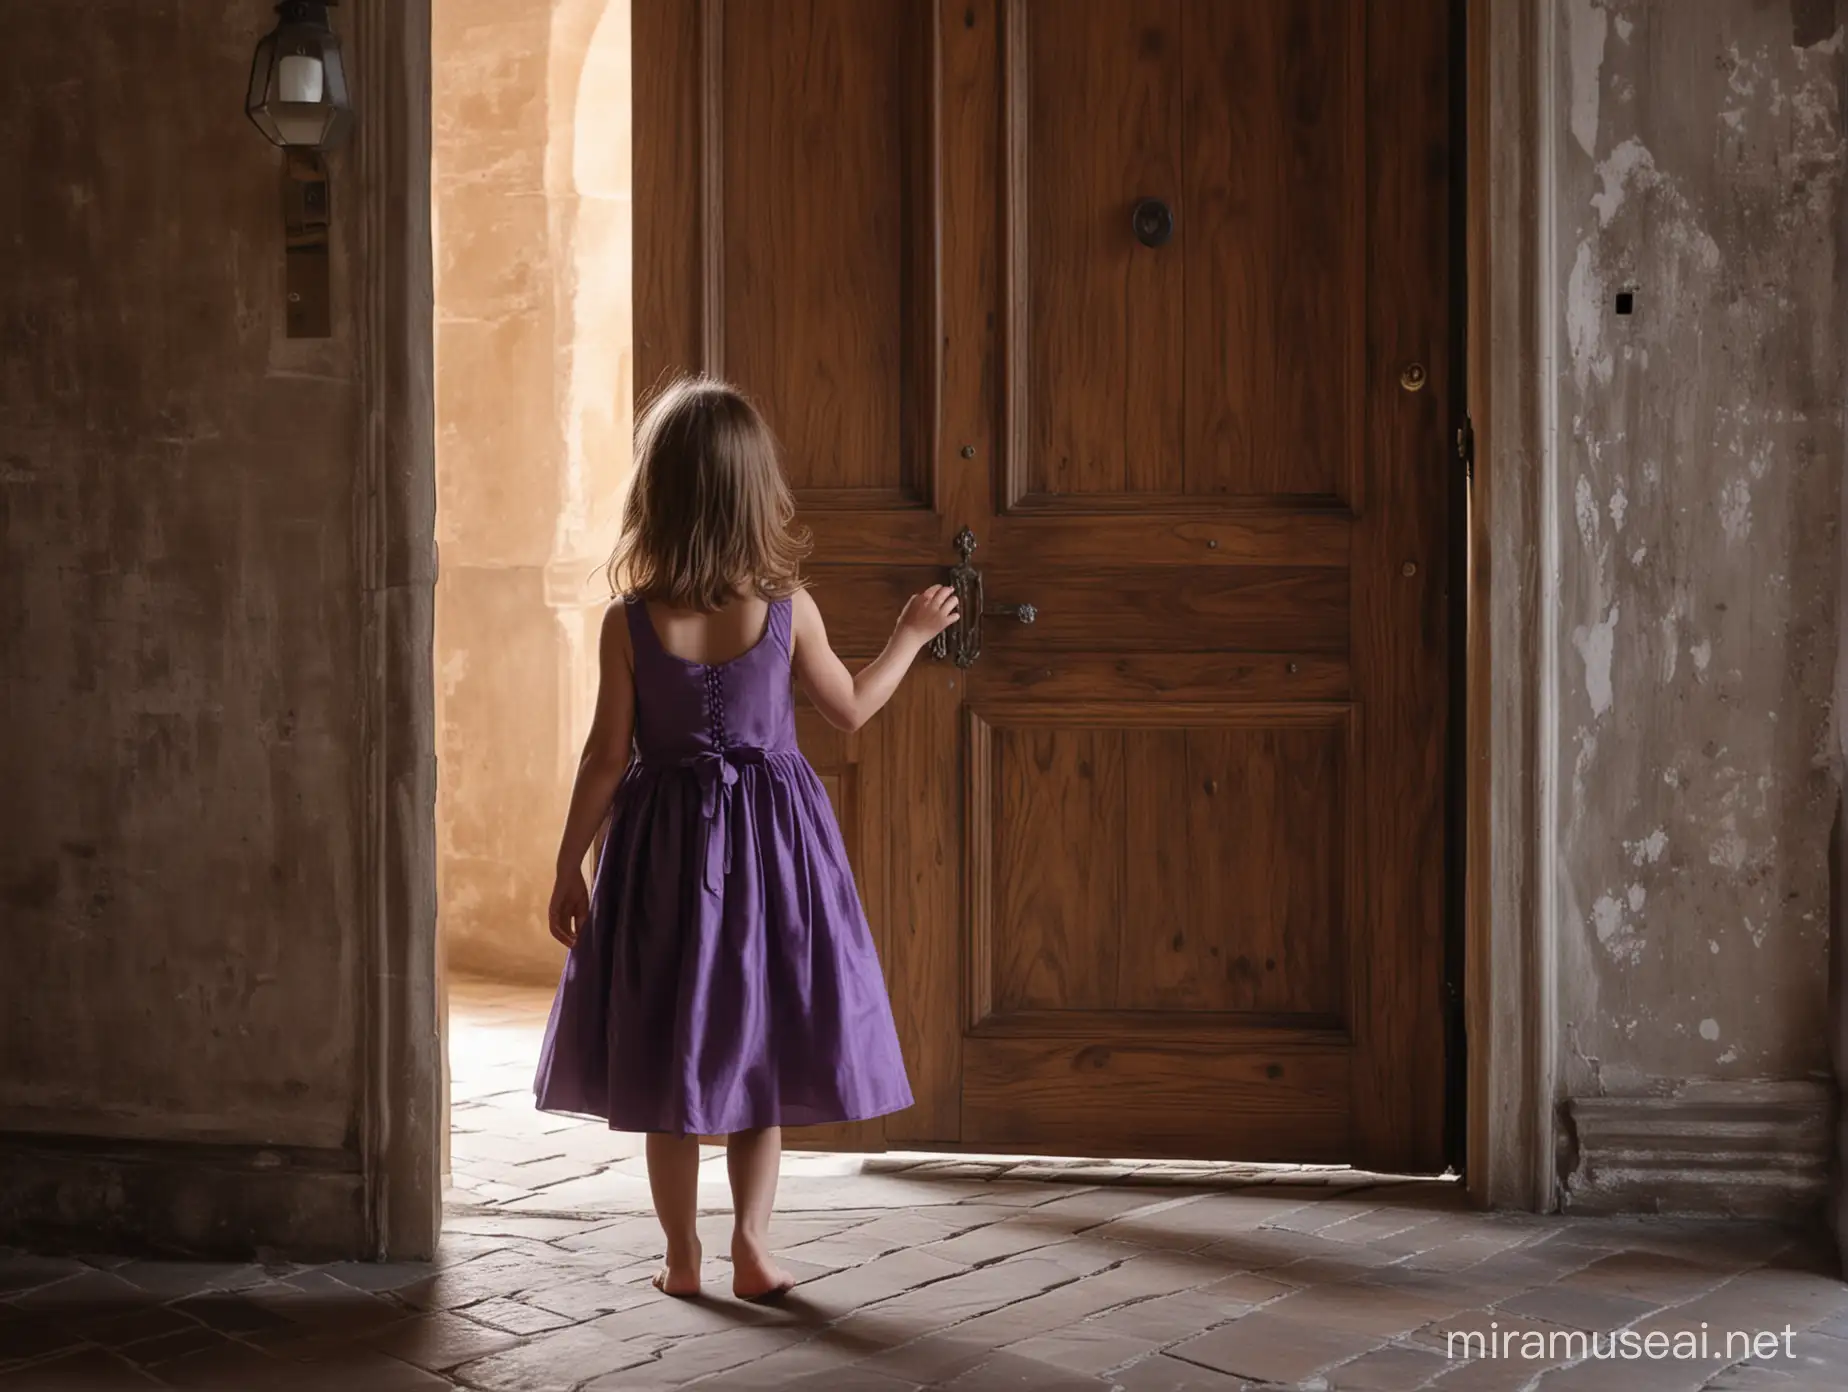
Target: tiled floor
point(952, 1274)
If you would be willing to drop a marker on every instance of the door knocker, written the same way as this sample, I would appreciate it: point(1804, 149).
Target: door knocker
point(961, 643)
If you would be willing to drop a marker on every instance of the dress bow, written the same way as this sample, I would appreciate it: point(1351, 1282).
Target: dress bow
point(717, 773)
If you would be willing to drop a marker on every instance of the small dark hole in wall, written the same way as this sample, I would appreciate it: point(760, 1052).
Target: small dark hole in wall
point(1626, 302)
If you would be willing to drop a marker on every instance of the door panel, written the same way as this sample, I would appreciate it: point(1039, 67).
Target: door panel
point(1180, 864)
point(1160, 873)
point(1219, 367)
point(828, 303)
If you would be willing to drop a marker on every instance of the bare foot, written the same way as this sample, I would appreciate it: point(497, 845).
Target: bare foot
point(680, 1277)
point(755, 1276)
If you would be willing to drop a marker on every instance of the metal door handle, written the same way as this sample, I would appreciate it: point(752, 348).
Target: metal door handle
point(1152, 221)
point(961, 643)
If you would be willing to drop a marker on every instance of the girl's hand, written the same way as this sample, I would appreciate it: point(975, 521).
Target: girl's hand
point(570, 906)
point(927, 614)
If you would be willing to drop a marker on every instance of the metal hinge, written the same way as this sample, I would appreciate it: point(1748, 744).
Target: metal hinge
point(1466, 447)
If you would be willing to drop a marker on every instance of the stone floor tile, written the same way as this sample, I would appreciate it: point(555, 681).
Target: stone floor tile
point(1460, 1290)
point(1087, 1347)
point(440, 1340)
point(500, 1273)
point(912, 1352)
point(586, 1193)
point(660, 1322)
point(24, 1336)
point(351, 1370)
point(1489, 1375)
point(561, 1359)
point(235, 1314)
point(168, 1280)
point(880, 1279)
point(88, 1370)
point(1172, 1319)
point(21, 1272)
point(1464, 1251)
point(971, 1293)
point(922, 1226)
point(1316, 1259)
point(588, 1297)
point(1377, 1310)
point(699, 1357)
point(1402, 1226)
point(1578, 1308)
point(516, 1317)
point(380, 1276)
point(752, 1379)
point(994, 1241)
point(308, 1305)
point(90, 1294)
point(119, 1330)
point(1764, 1298)
point(1166, 1374)
point(164, 1349)
point(1747, 1378)
point(1630, 1375)
point(1264, 1348)
point(1649, 1276)
point(1396, 1368)
point(1009, 1373)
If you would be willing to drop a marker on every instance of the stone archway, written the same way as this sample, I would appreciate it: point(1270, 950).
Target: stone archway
point(533, 371)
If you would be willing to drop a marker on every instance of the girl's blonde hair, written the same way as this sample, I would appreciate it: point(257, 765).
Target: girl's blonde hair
point(708, 515)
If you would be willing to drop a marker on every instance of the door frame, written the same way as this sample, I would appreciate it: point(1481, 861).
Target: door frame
point(1510, 736)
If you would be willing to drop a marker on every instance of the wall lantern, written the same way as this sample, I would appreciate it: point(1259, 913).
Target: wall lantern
point(299, 99)
point(298, 84)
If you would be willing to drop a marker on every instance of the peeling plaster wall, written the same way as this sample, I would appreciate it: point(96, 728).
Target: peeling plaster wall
point(180, 630)
point(1699, 165)
point(534, 381)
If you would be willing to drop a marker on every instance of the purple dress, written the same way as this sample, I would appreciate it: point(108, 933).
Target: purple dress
point(726, 979)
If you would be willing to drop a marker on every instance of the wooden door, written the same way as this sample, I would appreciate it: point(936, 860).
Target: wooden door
point(1159, 873)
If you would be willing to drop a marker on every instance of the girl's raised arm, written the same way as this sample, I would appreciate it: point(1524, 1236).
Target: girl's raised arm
point(600, 770)
point(848, 700)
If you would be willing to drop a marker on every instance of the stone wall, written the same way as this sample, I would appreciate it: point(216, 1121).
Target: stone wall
point(181, 839)
point(534, 381)
point(1698, 169)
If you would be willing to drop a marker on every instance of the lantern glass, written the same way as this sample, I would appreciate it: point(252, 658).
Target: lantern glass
point(298, 90)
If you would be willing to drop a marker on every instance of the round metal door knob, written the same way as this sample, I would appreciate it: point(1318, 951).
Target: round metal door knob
point(1152, 221)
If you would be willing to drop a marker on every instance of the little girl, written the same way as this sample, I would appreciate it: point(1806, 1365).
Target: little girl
point(721, 980)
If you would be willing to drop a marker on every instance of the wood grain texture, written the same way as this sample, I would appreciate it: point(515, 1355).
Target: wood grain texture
point(1056, 820)
point(1100, 95)
point(1271, 258)
point(923, 847)
point(1145, 529)
point(669, 226)
point(828, 248)
point(1124, 1098)
point(1143, 677)
point(1181, 869)
point(1400, 650)
point(1123, 608)
point(1223, 364)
